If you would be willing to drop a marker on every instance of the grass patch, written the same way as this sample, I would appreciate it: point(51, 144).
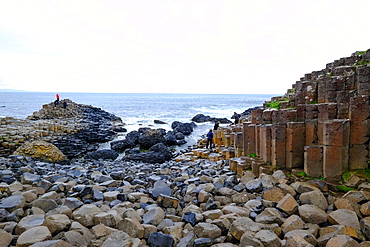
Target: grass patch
point(365, 173)
point(313, 102)
point(302, 174)
point(362, 62)
point(253, 155)
point(276, 104)
point(360, 52)
point(344, 188)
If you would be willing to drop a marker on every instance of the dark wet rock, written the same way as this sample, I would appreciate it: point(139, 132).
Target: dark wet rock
point(97, 195)
point(147, 157)
point(121, 145)
point(117, 175)
point(151, 137)
point(179, 136)
point(133, 137)
point(189, 217)
point(159, 239)
point(12, 203)
point(159, 122)
point(3, 214)
point(151, 157)
point(132, 151)
point(162, 149)
point(184, 128)
point(119, 129)
point(249, 110)
point(201, 118)
point(170, 138)
point(105, 154)
point(122, 197)
point(86, 192)
point(211, 205)
point(202, 242)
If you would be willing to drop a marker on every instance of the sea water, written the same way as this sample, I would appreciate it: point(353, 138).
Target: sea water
point(140, 110)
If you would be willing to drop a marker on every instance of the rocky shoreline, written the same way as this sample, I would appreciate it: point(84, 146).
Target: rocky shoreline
point(154, 199)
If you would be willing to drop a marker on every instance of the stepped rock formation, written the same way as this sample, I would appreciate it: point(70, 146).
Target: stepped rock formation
point(321, 125)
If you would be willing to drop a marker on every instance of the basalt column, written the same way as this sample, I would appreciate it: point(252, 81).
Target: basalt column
point(336, 147)
point(278, 150)
point(359, 133)
point(295, 141)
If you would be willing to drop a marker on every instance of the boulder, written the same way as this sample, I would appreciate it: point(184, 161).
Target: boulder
point(104, 154)
point(162, 149)
point(170, 138)
point(41, 150)
point(52, 243)
point(12, 203)
point(242, 225)
point(201, 118)
point(45, 204)
point(312, 214)
point(29, 222)
point(160, 188)
point(33, 235)
point(121, 145)
point(118, 238)
point(159, 239)
point(342, 240)
point(151, 137)
point(288, 204)
point(57, 223)
point(344, 217)
point(154, 216)
point(184, 128)
point(207, 230)
point(85, 214)
point(268, 238)
point(314, 197)
point(5, 238)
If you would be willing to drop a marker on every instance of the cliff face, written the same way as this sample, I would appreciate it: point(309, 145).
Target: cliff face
point(322, 124)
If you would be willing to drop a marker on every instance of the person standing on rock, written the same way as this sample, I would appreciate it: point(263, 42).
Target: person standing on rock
point(217, 124)
point(64, 104)
point(236, 117)
point(56, 102)
point(209, 139)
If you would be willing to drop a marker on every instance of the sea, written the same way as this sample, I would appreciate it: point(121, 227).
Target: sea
point(140, 110)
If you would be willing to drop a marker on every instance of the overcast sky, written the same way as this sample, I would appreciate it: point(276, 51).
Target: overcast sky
point(184, 46)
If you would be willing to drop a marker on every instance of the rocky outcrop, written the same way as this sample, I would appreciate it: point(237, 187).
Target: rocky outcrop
point(76, 130)
point(137, 143)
